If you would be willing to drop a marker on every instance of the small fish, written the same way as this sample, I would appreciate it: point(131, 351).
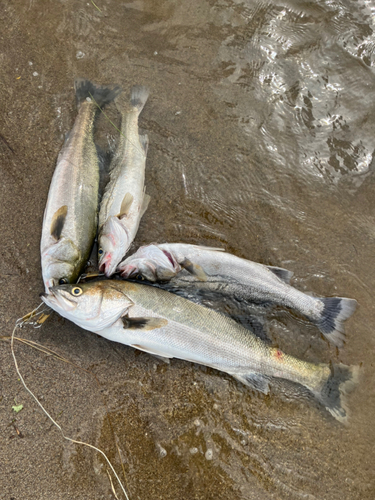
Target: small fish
point(70, 216)
point(124, 201)
point(168, 326)
point(240, 278)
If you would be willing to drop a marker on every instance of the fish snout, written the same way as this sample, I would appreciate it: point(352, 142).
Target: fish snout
point(106, 265)
point(127, 270)
point(104, 262)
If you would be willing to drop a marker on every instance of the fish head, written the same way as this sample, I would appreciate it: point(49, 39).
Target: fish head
point(114, 242)
point(93, 306)
point(151, 263)
point(60, 263)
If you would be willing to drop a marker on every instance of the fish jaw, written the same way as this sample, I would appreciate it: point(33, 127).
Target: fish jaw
point(128, 270)
point(55, 271)
point(152, 263)
point(59, 262)
point(146, 270)
point(113, 245)
point(61, 300)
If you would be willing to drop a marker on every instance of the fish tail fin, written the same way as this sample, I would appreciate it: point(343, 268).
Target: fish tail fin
point(332, 394)
point(138, 97)
point(101, 95)
point(331, 323)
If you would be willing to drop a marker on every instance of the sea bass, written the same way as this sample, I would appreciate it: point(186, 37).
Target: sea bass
point(164, 324)
point(240, 278)
point(70, 216)
point(124, 201)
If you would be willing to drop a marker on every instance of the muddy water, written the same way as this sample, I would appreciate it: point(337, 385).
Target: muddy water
point(261, 127)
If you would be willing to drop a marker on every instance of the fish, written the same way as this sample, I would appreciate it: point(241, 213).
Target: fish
point(213, 269)
point(124, 201)
point(166, 325)
point(70, 216)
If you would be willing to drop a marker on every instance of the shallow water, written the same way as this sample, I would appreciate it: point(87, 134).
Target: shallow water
point(261, 128)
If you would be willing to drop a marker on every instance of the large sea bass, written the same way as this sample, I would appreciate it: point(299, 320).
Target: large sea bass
point(70, 216)
point(167, 325)
point(124, 200)
point(239, 278)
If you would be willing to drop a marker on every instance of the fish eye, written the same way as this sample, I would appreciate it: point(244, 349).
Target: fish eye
point(100, 251)
point(76, 291)
point(63, 281)
point(139, 277)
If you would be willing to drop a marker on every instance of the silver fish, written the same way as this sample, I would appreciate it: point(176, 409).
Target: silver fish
point(166, 325)
point(70, 216)
point(124, 201)
point(246, 280)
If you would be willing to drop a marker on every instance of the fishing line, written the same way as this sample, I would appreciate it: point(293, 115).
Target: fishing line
point(18, 325)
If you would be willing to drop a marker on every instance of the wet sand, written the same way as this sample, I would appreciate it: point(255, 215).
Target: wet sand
point(261, 130)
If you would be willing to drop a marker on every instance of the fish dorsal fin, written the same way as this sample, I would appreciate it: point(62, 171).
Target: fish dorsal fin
point(125, 205)
point(281, 273)
point(58, 221)
point(144, 324)
point(155, 352)
point(194, 269)
point(145, 202)
point(254, 380)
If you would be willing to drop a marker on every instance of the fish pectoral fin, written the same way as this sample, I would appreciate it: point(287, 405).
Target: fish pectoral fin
point(254, 380)
point(144, 324)
point(194, 269)
point(155, 352)
point(125, 205)
point(281, 273)
point(145, 202)
point(58, 221)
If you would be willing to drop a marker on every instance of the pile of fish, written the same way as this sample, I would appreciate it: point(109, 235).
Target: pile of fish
point(151, 318)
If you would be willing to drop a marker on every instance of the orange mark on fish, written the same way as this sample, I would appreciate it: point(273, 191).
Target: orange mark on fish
point(279, 354)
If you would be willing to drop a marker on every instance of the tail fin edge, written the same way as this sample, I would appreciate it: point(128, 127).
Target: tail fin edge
point(100, 94)
point(331, 324)
point(333, 394)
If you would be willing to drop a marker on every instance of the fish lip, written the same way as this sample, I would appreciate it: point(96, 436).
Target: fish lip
point(127, 270)
point(48, 284)
point(48, 298)
point(107, 268)
point(105, 264)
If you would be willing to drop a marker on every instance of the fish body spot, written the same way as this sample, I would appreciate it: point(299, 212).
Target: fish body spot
point(278, 354)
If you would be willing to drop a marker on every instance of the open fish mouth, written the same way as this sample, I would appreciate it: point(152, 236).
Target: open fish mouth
point(129, 271)
point(107, 266)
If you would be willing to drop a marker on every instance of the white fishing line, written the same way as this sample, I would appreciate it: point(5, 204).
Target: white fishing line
point(20, 322)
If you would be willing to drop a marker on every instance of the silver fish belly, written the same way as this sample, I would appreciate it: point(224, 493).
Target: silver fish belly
point(70, 216)
point(124, 201)
point(248, 280)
